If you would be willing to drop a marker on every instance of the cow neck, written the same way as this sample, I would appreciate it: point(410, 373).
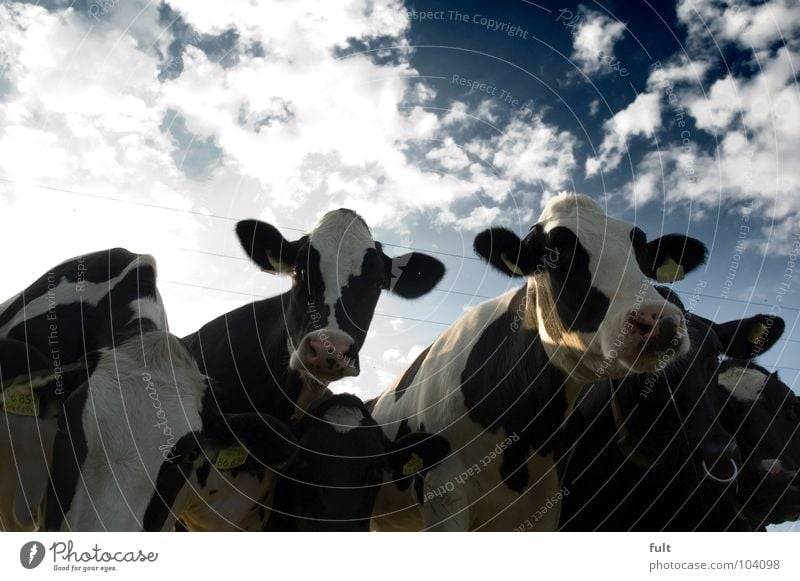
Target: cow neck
point(303, 388)
point(564, 358)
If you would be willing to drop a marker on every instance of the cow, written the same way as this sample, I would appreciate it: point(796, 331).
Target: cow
point(669, 464)
point(329, 485)
point(132, 434)
point(764, 414)
point(82, 305)
point(279, 354)
point(499, 383)
point(275, 355)
point(332, 483)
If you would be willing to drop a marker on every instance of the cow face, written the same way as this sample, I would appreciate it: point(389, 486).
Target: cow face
point(764, 413)
point(334, 480)
point(339, 272)
point(596, 311)
point(673, 416)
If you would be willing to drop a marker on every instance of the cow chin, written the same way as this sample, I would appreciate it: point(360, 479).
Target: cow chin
point(321, 376)
point(637, 358)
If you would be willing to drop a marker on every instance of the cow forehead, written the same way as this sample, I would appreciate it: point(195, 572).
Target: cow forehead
point(344, 418)
point(613, 264)
point(744, 384)
point(586, 219)
point(341, 238)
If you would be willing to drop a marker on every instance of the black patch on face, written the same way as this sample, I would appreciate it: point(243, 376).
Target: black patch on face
point(356, 305)
point(580, 306)
point(409, 375)
point(509, 384)
point(304, 308)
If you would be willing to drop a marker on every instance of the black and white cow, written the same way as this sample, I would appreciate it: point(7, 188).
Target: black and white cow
point(343, 455)
point(132, 435)
point(46, 331)
point(330, 484)
point(268, 355)
point(500, 381)
point(279, 354)
point(657, 456)
point(764, 414)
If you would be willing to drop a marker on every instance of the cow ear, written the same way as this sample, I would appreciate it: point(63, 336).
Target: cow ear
point(254, 439)
point(416, 453)
point(266, 246)
point(672, 256)
point(748, 338)
point(505, 251)
point(412, 275)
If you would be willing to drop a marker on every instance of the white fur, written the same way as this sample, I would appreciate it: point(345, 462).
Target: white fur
point(341, 238)
point(149, 308)
point(343, 419)
point(125, 445)
point(744, 384)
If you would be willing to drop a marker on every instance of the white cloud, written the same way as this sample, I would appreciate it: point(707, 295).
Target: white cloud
point(594, 40)
point(757, 27)
point(756, 122)
point(639, 119)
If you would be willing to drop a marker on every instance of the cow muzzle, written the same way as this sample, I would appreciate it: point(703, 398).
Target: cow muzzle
point(326, 354)
point(720, 460)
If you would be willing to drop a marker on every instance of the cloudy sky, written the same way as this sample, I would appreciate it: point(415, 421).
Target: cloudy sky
point(157, 125)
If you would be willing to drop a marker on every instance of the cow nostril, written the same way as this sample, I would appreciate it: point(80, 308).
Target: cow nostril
point(312, 352)
point(642, 327)
point(667, 327)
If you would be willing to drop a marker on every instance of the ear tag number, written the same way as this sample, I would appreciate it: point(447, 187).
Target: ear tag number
point(21, 401)
point(231, 457)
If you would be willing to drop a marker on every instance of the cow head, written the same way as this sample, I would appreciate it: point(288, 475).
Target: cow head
point(596, 311)
point(672, 416)
point(764, 414)
point(334, 480)
point(339, 272)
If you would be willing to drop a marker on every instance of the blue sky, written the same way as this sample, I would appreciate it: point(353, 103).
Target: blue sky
point(156, 125)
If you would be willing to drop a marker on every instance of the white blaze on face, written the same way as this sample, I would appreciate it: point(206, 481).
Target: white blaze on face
point(744, 384)
point(343, 419)
point(342, 238)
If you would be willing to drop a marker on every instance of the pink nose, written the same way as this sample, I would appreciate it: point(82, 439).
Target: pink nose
point(330, 355)
point(658, 329)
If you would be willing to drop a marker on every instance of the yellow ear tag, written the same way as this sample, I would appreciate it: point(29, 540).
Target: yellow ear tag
point(231, 457)
point(757, 333)
point(21, 401)
point(413, 465)
point(670, 271)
